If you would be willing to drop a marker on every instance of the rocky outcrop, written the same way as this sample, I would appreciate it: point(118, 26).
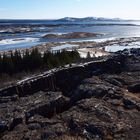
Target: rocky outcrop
point(59, 79)
point(96, 100)
point(134, 88)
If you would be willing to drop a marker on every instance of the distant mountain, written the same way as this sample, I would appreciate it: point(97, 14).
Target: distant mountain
point(68, 19)
point(72, 19)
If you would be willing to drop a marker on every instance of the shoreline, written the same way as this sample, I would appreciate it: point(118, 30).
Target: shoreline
point(98, 46)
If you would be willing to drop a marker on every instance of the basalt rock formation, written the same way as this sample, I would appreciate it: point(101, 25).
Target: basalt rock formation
point(97, 100)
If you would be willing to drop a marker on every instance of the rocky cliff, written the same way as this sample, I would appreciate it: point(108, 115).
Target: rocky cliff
point(96, 100)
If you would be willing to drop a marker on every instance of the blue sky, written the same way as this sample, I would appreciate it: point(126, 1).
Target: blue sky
point(53, 9)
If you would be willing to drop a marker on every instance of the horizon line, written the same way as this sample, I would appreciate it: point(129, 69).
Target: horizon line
point(21, 19)
point(66, 17)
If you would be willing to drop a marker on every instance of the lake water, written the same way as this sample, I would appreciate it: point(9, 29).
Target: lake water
point(109, 29)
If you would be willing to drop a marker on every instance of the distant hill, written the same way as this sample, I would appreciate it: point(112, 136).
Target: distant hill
point(90, 19)
point(72, 19)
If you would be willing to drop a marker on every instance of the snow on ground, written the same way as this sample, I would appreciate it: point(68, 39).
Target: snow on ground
point(17, 41)
point(115, 48)
point(94, 52)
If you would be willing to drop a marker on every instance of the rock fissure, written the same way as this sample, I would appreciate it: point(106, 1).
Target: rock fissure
point(96, 100)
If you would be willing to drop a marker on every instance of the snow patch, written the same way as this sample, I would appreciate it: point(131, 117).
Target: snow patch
point(17, 41)
point(115, 48)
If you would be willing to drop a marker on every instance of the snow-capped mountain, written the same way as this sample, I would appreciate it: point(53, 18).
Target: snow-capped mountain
point(72, 19)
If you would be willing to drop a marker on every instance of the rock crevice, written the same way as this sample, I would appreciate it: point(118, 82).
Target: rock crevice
point(96, 100)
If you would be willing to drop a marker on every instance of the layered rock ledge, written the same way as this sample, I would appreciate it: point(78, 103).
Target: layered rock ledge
point(97, 100)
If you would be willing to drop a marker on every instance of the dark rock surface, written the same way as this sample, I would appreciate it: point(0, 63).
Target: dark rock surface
point(97, 100)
